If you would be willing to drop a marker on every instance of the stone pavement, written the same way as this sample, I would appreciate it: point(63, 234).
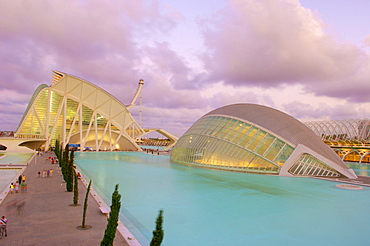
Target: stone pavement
point(43, 216)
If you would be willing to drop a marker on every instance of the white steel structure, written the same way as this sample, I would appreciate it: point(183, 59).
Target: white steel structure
point(75, 111)
point(341, 130)
point(257, 139)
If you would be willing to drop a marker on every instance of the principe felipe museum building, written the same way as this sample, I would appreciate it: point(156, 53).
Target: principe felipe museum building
point(257, 139)
point(77, 112)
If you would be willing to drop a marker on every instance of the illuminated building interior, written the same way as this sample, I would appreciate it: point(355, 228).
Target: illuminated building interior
point(75, 111)
point(257, 139)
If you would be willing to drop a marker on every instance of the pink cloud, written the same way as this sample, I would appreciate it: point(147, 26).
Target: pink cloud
point(268, 43)
point(98, 41)
point(95, 38)
point(322, 112)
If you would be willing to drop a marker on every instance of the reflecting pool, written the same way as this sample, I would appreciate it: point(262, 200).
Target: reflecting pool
point(209, 207)
point(360, 169)
point(8, 174)
point(15, 157)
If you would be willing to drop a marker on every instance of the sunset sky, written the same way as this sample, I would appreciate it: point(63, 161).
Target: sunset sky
point(308, 58)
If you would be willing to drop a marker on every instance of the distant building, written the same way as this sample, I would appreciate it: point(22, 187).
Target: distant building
point(350, 139)
point(342, 130)
point(257, 139)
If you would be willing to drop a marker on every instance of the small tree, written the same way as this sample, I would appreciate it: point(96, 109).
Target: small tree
point(63, 162)
point(60, 157)
point(66, 154)
point(83, 226)
point(75, 189)
point(110, 231)
point(69, 171)
point(57, 149)
point(158, 232)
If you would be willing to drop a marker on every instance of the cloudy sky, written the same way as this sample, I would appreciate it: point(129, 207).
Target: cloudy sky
point(308, 58)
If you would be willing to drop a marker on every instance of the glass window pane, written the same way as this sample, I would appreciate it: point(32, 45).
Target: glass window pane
point(284, 155)
point(265, 144)
point(248, 136)
point(274, 149)
point(256, 140)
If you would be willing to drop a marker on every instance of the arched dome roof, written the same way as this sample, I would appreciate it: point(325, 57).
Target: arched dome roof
point(279, 123)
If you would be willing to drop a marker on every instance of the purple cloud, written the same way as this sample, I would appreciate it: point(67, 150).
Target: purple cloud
point(269, 43)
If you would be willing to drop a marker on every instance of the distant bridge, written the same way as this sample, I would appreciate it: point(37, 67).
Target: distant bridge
point(341, 130)
point(20, 144)
point(350, 139)
point(173, 139)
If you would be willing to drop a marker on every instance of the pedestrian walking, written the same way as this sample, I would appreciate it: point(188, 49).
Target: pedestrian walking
point(3, 223)
point(16, 187)
point(11, 188)
point(23, 184)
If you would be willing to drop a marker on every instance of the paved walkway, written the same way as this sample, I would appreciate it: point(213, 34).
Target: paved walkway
point(43, 216)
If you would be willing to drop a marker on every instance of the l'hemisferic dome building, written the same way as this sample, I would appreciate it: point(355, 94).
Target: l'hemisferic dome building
point(257, 139)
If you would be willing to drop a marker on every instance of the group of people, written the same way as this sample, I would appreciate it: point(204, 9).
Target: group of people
point(45, 173)
point(20, 183)
point(21, 186)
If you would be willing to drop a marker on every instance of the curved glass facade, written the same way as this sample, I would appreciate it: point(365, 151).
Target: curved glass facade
point(257, 139)
point(232, 144)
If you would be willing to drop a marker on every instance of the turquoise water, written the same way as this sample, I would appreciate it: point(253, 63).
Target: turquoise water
point(15, 158)
point(209, 207)
point(7, 175)
point(360, 169)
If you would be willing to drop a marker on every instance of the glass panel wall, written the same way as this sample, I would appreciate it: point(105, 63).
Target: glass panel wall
point(35, 123)
point(86, 117)
point(284, 155)
point(231, 143)
point(213, 152)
